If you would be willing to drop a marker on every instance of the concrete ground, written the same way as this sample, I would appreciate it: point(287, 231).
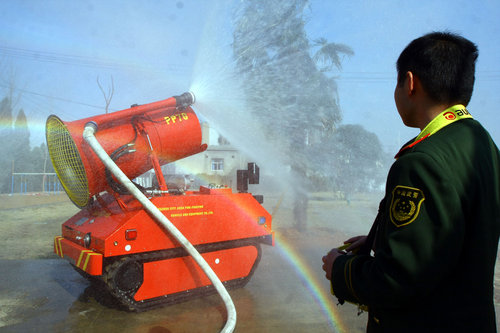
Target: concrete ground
point(48, 296)
point(287, 293)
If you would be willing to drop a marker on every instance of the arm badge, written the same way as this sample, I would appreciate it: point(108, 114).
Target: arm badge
point(405, 205)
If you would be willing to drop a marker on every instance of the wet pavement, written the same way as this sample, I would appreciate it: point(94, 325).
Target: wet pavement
point(47, 295)
point(39, 292)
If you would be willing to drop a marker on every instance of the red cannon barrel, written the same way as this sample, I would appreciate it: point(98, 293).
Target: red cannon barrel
point(169, 127)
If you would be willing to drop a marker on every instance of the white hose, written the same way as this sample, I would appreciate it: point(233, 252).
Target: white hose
point(89, 137)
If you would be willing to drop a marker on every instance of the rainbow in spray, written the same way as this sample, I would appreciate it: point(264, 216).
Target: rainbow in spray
point(314, 283)
point(317, 289)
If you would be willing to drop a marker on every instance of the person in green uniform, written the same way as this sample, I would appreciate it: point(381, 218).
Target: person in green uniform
point(427, 264)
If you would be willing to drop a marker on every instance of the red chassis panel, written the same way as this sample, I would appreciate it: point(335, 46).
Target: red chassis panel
point(171, 276)
point(208, 216)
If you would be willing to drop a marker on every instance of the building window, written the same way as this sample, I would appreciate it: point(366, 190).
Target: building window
point(217, 164)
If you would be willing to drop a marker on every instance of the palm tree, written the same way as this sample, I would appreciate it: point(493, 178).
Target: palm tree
point(329, 54)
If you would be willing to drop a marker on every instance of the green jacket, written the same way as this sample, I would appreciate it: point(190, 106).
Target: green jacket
point(436, 241)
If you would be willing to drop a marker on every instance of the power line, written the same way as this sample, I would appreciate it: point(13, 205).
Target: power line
point(481, 76)
point(57, 58)
point(78, 60)
point(55, 98)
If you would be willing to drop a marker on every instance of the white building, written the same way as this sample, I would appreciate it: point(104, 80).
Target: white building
point(216, 165)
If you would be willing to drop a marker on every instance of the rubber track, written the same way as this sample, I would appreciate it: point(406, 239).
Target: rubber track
point(126, 298)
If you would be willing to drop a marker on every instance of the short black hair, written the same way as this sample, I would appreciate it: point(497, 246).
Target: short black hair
point(445, 64)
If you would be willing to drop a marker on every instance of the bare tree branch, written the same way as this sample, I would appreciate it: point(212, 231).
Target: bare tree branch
point(109, 95)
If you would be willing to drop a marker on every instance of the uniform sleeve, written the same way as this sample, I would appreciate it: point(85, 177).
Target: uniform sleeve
point(418, 242)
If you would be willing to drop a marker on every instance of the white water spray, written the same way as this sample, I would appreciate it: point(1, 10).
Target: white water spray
point(220, 99)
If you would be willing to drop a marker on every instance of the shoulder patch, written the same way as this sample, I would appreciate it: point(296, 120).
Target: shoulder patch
point(405, 205)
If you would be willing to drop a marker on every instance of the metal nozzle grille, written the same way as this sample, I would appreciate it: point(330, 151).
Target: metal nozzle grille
point(67, 161)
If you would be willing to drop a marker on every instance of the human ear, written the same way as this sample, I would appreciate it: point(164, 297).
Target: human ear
point(410, 80)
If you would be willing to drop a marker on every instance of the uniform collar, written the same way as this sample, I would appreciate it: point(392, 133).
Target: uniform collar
point(445, 118)
point(448, 116)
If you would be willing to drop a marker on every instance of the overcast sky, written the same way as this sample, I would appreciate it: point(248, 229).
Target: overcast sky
point(55, 51)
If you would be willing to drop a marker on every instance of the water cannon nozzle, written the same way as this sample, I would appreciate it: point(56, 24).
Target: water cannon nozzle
point(185, 100)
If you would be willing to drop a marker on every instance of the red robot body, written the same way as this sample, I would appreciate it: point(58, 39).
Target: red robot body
point(115, 242)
